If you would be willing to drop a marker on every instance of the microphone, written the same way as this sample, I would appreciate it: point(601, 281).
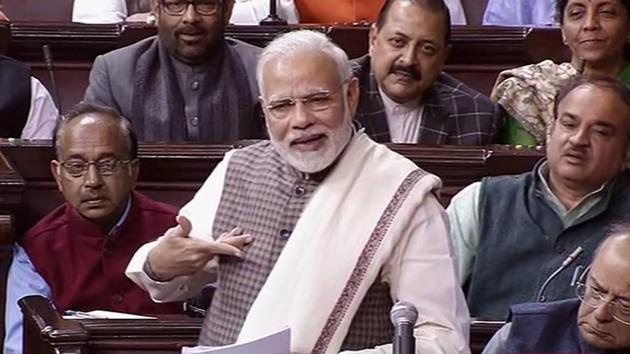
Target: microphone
point(567, 261)
point(404, 315)
point(51, 74)
point(273, 19)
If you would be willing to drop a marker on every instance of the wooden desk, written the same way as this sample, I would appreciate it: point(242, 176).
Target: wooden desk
point(477, 54)
point(47, 332)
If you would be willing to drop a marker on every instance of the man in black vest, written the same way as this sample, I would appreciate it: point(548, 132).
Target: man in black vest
point(517, 237)
point(27, 110)
point(598, 321)
point(188, 83)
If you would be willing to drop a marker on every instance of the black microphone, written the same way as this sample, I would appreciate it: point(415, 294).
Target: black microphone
point(567, 261)
point(51, 73)
point(273, 19)
point(404, 315)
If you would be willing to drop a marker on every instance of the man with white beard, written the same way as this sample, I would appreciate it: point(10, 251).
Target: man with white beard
point(320, 229)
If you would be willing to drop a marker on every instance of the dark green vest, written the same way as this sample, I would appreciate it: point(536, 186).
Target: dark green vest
point(523, 241)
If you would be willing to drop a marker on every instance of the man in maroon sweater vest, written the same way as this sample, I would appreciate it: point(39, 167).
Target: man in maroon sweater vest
point(77, 254)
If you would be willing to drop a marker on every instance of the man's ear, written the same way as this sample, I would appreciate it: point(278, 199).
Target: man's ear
point(353, 95)
point(55, 169)
point(155, 9)
point(372, 37)
point(134, 171)
point(227, 11)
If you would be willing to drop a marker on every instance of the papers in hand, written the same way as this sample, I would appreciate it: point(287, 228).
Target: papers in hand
point(100, 314)
point(275, 343)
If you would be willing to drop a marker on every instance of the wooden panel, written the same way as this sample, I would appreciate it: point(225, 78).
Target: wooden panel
point(47, 331)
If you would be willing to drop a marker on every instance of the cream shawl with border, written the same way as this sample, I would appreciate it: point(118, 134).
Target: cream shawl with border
point(349, 229)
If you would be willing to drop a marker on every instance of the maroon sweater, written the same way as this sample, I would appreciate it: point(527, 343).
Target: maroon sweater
point(85, 268)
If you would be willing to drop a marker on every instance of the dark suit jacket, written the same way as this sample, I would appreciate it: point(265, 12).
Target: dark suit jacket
point(453, 114)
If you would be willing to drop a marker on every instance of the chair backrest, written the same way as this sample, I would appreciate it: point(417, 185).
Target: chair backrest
point(38, 10)
point(137, 6)
point(474, 10)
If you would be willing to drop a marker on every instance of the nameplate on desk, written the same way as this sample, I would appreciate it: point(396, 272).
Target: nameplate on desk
point(103, 315)
point(275, 343)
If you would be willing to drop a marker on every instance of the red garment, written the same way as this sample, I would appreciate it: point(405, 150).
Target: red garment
point(85, 268)
point(338, 11)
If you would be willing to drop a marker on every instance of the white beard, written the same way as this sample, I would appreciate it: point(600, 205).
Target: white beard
point(314, 161)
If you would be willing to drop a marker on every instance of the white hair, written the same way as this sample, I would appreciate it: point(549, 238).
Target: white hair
point(297, 42)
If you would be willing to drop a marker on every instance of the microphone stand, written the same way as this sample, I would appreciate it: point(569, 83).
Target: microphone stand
point(273, 19)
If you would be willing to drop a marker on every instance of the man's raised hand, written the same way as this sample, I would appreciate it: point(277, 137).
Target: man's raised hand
point(178, 254)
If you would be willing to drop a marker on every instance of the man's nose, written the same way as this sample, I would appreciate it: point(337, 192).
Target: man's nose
point(301, 117)
point(190, 15)
point(93, 178)
point(409, 56)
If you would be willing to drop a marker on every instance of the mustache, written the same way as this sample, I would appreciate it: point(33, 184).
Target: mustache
point(406, 70)
point(189, 29)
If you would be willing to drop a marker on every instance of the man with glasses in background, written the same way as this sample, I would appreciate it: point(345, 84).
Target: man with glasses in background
point(597, 321)
point(328, 228)
point(76, 255)
point(188, 83)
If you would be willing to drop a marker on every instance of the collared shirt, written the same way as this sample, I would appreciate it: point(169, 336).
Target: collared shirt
point(43, 114)
point(404, 119)
point(463, 213)
point(24, 280)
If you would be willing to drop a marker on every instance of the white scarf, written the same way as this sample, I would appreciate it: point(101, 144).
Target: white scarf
point(336, 251)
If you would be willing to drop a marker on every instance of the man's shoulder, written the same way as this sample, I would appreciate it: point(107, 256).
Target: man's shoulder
point(252, 154)
point(557, 308)
point(505, 183)
point(50, 224)
point(128, 54)
point(465, 97)
point(151, 207)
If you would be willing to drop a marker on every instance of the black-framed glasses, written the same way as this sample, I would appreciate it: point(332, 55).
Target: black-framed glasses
point(313, 102)
point(105, 167)
point(179, 7)
point(593, 297)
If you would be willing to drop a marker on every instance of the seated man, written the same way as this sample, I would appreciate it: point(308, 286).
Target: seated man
point(245, 12)
point(188, 83)
point(513, 233)
point(534, 13)
point(405, 96)
point(597, 322)
point(76, 255)
point(303, 261)
point(27, 110)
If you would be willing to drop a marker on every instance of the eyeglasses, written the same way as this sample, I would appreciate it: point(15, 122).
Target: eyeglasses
point(202, 7)
point(105, 167)
point(619, 309)
point(314, 102)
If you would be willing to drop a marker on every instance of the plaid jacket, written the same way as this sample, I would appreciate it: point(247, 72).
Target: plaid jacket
point(454, 114)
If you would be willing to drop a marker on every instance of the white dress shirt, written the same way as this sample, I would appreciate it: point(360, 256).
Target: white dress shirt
point(42, 117)
point(403, 119)
point(245, 12)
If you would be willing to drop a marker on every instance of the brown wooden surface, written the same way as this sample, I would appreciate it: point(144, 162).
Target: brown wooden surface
point(477, 54)
point(46, 331)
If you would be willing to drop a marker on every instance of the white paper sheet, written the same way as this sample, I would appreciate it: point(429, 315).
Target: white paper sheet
point(275, 343)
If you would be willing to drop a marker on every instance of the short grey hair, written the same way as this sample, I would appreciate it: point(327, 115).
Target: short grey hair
point(301, 41)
